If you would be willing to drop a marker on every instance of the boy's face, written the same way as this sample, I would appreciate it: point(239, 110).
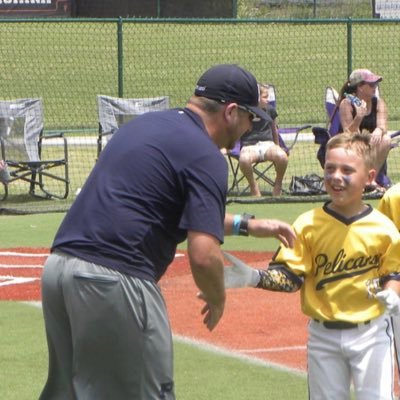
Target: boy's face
point(345, 176)
point(263, 98)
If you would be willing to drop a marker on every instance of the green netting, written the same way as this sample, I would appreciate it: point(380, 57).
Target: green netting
point(68, 63)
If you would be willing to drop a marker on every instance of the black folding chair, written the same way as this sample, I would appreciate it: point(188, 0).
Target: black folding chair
point(261, 169)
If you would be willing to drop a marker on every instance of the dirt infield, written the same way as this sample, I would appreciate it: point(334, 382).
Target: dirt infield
point(261, 324)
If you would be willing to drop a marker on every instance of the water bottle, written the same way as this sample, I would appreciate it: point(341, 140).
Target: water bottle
point(353, 99)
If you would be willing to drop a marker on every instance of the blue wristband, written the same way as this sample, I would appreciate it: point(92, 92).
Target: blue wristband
point(237, 219)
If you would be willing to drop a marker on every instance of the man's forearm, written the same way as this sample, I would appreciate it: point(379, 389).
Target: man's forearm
point(210, 281)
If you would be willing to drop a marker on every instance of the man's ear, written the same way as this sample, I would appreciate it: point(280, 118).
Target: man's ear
point(231, 111)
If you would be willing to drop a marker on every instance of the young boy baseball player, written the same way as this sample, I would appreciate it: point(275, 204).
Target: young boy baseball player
point(346, 262)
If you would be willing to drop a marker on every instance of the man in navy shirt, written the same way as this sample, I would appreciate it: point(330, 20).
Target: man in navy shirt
point(160, 180)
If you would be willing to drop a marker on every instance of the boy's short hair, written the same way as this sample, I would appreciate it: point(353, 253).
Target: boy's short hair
point(262, 85)
point(358, 142)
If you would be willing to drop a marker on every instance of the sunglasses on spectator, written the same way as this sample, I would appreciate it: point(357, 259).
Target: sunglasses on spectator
point(371, 84)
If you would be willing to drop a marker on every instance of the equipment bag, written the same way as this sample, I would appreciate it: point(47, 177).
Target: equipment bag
point(311, 184)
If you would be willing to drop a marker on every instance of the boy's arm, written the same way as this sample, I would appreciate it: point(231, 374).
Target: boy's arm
point(279, 278)
point(276, 278)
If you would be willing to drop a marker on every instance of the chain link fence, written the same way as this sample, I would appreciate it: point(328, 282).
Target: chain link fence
point(68, 62)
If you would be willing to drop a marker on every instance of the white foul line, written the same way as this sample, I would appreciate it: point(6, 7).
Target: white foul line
point(12, 253)
point(10, 266)
point(236, 354)
point(273, 350)
point(12, 280)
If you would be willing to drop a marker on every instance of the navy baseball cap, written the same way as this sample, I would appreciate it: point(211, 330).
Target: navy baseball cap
point(229, 83)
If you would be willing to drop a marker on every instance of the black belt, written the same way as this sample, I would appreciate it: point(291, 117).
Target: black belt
point(340, 324)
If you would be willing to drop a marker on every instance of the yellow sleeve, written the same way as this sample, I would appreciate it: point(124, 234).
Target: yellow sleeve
point(389, 204)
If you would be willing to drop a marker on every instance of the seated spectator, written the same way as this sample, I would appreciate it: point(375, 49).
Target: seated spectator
point(370, 115)
point(4, 174)
point(262, 144)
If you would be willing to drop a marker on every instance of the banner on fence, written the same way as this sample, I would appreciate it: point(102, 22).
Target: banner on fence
point(155, 8)
point(35, 8)
point(386, 9)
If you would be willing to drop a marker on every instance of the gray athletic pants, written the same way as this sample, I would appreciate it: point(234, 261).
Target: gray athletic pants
point(108, 334)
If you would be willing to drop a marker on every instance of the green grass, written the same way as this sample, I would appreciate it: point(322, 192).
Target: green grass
point(35, 230)
point(38, 230)
point(199, 373)
point(23, 351)
point(223, 377)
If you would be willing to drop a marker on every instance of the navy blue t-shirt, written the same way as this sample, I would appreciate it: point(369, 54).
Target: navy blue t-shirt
point(159, 176)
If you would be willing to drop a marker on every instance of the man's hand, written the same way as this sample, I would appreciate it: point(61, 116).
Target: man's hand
point(272, 228)
point(240, 274)
point(390, 300)
point(212, 312)
point(207, 266)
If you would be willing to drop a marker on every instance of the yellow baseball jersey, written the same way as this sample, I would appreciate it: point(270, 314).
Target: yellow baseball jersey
point(389, 204)
point(337, 258)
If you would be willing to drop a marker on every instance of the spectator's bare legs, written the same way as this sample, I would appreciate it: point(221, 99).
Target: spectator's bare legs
point(280, 160)
point(250, 155)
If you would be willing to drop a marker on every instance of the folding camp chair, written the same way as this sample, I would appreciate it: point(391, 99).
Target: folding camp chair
point(261, 169)
point(115, 111)
point(35, 158)
point(322, 135)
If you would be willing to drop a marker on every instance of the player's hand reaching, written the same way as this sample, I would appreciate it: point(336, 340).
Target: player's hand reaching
point(390, 300)
point(240, 274)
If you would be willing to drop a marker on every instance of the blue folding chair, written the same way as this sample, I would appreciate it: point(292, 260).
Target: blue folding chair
point(260, 169)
